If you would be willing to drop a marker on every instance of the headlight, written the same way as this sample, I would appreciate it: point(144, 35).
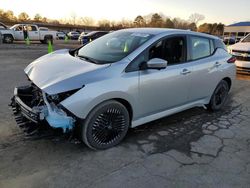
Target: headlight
point(57, 98)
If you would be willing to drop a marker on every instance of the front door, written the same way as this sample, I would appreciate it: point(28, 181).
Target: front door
point(160, 90)
point(18, 33)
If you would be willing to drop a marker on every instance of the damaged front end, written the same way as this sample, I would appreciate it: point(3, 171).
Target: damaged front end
point(34, 110)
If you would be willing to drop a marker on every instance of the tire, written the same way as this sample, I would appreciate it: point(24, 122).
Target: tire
point(47, 39)
point(219, 96)
point(8, 39)
point(106, 125)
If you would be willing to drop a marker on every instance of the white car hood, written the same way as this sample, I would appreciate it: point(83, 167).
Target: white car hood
point(59, 72)
point(241, 46)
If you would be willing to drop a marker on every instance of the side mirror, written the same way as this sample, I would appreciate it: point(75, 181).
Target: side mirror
point(155, 63)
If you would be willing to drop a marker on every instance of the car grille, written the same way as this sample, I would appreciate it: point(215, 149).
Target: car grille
point(240, 51)
point(243, 70)
point(241, 58)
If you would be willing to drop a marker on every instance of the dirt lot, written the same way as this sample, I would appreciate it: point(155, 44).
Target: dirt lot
point(194, 148)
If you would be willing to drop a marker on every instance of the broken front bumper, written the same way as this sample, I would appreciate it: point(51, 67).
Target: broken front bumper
point(30, 114)
point(20, 108)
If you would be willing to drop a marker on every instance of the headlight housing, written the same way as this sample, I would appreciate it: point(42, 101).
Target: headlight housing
point(57, 98)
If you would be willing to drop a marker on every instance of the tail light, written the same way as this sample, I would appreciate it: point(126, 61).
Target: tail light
point(231, 60)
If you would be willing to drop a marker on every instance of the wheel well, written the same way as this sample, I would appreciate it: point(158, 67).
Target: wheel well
point(48, 37)
point(127, 105)
point(228, 80)
point(8, 35)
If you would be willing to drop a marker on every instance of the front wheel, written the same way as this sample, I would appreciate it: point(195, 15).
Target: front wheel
point(106, 125)
point(8, 39)
point(219, 96)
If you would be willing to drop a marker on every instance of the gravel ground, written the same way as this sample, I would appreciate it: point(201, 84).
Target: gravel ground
point(193, 148)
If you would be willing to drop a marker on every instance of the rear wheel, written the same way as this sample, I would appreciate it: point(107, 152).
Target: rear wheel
point(106, 125)
point(219, 96)
point(48, 39)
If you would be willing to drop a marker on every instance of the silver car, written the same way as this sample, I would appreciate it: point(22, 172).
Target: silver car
point(122, 80)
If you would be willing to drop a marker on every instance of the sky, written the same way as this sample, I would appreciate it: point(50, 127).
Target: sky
point(224, 11)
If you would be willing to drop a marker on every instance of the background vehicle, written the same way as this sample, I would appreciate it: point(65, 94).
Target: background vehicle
point(16, 33)
point(1, 38)
point(73, 35)
point(125, 79)
point(84, 39)
point(230, 40)
point(2, 27)
point(241, 51)
point(60, 35)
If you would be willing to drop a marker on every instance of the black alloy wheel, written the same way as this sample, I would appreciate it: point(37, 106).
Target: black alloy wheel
point(219, 96)
point(106, 125)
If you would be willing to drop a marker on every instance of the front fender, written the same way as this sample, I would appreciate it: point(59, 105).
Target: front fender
point(82, 102)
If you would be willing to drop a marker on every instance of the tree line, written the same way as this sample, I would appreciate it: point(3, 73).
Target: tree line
point(151, 20)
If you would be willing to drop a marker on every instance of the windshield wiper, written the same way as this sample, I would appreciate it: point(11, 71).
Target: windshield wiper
point(89, 59)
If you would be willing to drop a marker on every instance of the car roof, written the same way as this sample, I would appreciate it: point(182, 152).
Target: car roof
point(159, 31)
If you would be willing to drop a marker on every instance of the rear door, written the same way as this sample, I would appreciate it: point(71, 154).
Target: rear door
point(205, 68)
point(164, 89)
point(33, 33)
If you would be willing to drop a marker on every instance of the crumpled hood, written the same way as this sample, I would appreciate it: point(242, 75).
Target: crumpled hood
point(59, 72)
point(241, 46)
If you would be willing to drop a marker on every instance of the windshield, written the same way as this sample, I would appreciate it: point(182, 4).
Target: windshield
point(113, 47)
point(14, 26)
point(246, 39)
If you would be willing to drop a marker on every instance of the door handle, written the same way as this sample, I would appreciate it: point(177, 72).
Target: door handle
point(185, 71)
point(217, 64)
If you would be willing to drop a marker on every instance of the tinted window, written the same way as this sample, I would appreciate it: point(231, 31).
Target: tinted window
point(19, 28)
point(200, 47)
point(33, 28)
point(175, 50)
point(172, 50)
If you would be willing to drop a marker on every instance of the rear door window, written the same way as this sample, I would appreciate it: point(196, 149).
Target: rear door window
point(33, 28)
point(200, 47)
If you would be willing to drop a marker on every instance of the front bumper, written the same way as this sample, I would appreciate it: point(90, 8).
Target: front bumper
point(243, 67)
point(39, 113)
point(19, 107)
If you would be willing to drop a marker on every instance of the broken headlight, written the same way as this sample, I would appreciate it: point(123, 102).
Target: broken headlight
point(57, 98)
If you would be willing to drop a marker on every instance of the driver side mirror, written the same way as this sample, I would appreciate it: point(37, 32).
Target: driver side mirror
point(155, 63)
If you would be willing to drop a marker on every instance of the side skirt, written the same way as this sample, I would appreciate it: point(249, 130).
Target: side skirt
point(147, 119)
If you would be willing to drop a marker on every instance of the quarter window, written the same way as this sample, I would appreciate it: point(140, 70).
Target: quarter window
point(212, 47)
point(200, 47)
